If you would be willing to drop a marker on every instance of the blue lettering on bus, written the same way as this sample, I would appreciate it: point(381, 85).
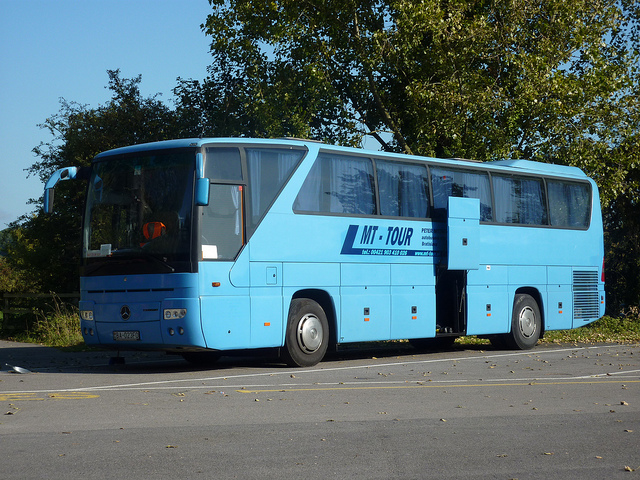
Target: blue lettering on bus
point(395, 241)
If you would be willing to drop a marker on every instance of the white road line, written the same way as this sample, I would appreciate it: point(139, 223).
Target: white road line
point(182, 383)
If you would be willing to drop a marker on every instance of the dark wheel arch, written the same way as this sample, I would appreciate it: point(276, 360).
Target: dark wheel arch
point(526, 323)
point(307, 333)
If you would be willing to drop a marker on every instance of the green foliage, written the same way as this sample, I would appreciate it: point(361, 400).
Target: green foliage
point(622, 234)
point(606, 330)
point(10, 279)
point(485, 80)
point(80, 132)
point(58, 326)
point(43, 250)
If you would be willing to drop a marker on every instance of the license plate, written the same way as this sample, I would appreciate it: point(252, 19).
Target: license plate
point(128, 336)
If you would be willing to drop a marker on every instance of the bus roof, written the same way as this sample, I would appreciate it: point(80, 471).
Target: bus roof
point(539, 167)
point(525, 166)
point(197, 143)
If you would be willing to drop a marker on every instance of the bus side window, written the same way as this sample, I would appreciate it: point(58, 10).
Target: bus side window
point(447, 182)
point(569, 204)
point(221, 226)
point(403, 189)
point(519, 200)
point(338, 184)
point(268, 170)
point(223, 164)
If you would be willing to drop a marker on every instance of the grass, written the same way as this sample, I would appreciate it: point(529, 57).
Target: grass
point(57, 327)
point(625, 329)
point(606, 330)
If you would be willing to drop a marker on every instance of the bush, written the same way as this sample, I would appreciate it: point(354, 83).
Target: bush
point(58, 327)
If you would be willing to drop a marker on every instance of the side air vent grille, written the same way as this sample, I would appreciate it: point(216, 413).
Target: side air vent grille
point(586, 302)
point(134, 290)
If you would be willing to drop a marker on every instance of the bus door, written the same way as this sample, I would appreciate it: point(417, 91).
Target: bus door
point(463, 222)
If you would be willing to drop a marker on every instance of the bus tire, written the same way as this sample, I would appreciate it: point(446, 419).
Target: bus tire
point(307, 335)
point(526, 323)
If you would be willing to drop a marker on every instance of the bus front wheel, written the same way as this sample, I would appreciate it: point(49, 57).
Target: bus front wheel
point(526, 323)
point(307, 335)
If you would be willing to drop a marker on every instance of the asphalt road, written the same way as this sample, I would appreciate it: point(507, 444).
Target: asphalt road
point(570, 412)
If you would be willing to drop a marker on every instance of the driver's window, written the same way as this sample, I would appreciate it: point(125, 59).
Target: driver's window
point(221, 225)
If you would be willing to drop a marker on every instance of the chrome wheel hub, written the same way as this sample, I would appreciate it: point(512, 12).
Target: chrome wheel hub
point(309, 333)
point(527, 321)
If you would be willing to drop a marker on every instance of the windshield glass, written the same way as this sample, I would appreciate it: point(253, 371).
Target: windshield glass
point(139, 208)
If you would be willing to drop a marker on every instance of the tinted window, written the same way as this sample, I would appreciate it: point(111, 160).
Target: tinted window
point(403, 189)
point(569, 204)
point(519, 200)
point(140, 204)
point(338, 184)
point(221, 225)
point(269, 169)
point(447, 182)
point(223, 164)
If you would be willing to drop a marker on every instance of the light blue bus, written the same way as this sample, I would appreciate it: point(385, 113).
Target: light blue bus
point(211, 245)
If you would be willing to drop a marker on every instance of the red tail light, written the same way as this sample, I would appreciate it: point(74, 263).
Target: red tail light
point(602, 275)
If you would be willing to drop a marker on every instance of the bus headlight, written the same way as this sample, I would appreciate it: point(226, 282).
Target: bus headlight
point(175, 313)
point(86, 315)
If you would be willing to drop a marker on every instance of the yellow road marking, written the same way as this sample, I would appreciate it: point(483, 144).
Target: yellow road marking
point(11, 397)
point(73, 395)
point(22, 396)
point(447, 385)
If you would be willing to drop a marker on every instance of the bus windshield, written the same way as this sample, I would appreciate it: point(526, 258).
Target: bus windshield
point(138, 214)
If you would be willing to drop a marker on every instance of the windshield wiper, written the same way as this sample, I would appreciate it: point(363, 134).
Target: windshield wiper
point(158, 260)
point(129, 256)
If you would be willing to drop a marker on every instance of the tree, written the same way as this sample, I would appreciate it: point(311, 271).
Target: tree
point(622, 231)
point(548, 80)
point(80, 132)
point(449, 78)
point(44, 249)
point(264, 101)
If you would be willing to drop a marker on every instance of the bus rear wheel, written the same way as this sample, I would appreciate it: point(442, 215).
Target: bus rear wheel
point(526, 323)
point(307, 335)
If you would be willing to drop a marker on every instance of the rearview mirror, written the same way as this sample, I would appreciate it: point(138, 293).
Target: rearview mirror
point(67, 173)
point(202, 192)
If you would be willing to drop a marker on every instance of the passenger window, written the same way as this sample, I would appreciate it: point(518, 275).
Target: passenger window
point(448, 182)
point(338, 184)
point(403, 189)
point(221, 227)
point(569, 204)
point(519, 200)
point(223, 164)
point(268, 170)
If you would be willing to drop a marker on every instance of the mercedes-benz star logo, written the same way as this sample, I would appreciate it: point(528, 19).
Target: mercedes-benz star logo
point(125, 312)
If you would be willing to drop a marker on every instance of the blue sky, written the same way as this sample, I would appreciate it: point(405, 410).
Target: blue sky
point(63, 49)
